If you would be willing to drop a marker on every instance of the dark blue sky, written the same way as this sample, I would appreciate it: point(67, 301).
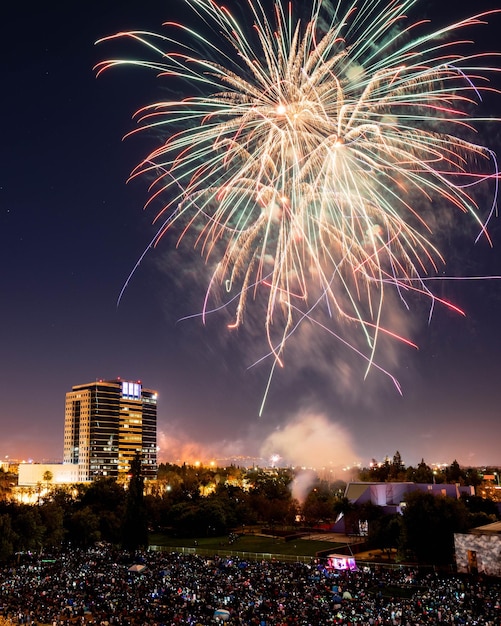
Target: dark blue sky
point(71, 231)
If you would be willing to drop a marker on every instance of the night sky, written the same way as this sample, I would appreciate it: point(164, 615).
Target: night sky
point(72, 230)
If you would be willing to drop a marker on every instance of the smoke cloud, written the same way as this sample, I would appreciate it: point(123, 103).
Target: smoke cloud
point(180, 448)
point(311, 442)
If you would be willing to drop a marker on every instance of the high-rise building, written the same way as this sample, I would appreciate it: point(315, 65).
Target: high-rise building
point(106, 423)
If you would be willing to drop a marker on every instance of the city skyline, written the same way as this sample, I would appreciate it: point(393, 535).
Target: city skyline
point(72, 232)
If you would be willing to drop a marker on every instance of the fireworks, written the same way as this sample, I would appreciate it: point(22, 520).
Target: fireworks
point(307, 154)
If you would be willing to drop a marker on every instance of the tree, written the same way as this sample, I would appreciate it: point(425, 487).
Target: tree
point(275, 486)
point(48, 476)
point(385, 533)
point(454, 473)
point(481, 510)
point(52, 516)
point(429, 523)
point(83, 528)
point(103, 494)
point(381, 472)
point(237, 502)
point(7, 537)
point(473, 477)
point(369, 512)
point(270, 495)
point(318, 505)
point(7, 483)
point(397, 468)
point(420, 474)
point(27, 525)
point(135, 526)
point(107, 499)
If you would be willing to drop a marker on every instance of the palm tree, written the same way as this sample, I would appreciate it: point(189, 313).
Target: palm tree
point(48, 476)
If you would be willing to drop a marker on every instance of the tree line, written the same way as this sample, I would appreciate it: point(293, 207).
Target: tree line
point(194, 501)
point(395, 470)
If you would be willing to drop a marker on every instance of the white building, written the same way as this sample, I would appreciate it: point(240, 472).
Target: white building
point(479, 551)
point(32, 474)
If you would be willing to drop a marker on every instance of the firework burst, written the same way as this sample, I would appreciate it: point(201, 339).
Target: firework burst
point(307, 154)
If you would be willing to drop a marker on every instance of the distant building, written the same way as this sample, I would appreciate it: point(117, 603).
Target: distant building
point(391, 496)
point(479, 551)
point(106, 423)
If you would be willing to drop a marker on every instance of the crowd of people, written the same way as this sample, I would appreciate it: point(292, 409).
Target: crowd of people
point(103, 587)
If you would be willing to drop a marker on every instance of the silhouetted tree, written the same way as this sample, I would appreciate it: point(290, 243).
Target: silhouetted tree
point(47, 477)
point(381, 472)
point(429, 523)
point(385, 533)
point(319, 504)
point(7, 482)
point(420, 474)
point(270, 495)
point(370, 512)
point(397, 468)
point(135, 527)
point(83, 527)
point(481, 511)
point(107, 499)
point(7, 537)
point(473, 477)
point(27, 525)
point(52, 516)
point(237, 501)
point(454, 473)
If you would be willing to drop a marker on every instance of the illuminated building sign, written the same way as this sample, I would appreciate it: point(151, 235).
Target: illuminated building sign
point(131, 390)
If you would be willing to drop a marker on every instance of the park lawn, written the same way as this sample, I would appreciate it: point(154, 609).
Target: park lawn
point(247, 543)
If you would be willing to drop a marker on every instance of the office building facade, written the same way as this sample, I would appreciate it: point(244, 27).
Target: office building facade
point(106, 423)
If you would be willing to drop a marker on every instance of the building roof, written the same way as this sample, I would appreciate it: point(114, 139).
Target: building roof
point(487, 529)
point(393, 493)
point(355, 490)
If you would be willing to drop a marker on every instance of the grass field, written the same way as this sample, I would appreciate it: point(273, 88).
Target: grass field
point(247, 543)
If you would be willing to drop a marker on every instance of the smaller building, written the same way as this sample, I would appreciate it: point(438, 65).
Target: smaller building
point(479, 551)
point(33, 474)
point(391, 496)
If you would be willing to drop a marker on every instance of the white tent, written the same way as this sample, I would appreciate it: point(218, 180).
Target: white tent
point(137, 568)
